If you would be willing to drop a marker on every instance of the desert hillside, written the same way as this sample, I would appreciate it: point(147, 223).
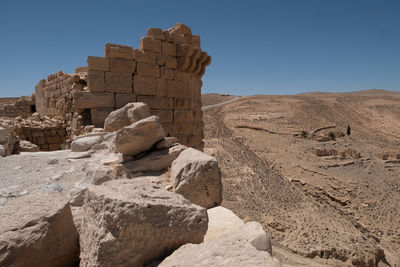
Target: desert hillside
point(324, 197)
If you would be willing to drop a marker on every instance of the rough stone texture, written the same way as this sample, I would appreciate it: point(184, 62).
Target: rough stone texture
point(26, 146)
point(197, 177)
point(96, 173)
point(130, 113)
point(38, 230)
point(223, 251)
point(133, 222)
point(139, 136)
point(221, 221)
point(155, 161)
point(85, 143)
point(166, 143)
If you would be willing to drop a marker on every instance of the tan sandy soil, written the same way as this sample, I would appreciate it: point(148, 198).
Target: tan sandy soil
point(337, 210)
point(212, 99)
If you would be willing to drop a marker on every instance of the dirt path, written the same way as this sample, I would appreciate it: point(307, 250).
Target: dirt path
point(220, 104)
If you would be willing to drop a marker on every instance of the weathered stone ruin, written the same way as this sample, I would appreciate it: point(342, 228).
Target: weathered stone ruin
point(139, 189)
point(164, 72)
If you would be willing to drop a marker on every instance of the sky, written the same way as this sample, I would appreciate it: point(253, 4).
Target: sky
point(257, 47)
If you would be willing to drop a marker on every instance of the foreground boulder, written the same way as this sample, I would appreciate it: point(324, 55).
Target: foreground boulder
point(197, 177)
point(229, 250)
point(139, 136)
point(38, 230)
point(126, 115)
point(133, 222)
point(84, 143)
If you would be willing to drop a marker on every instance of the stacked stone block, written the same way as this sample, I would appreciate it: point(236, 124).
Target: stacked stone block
point(165, 72)
point(48, 138)
point(23, 108)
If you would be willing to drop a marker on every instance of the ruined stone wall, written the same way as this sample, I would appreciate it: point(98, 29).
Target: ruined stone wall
point(165, 72)
point(48, 135)
point(23, 107)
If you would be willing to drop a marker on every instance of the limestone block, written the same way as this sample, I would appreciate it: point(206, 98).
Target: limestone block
point(98, 116)
point(26, 146)
point(144, 56)
point(144, 85)
point(53, 147)
point(155, 161)
point(181, 28)
point(128, 114)
point(155, 33)
point(184, 63)
point(37, 230)
point(147, 44)
point(122, 65)
point(123, 99)
point(148, 70)
point(119, 82)
point(81, 69)
point(168, 49)
point(185, 128)
point(156, 102)
point(182, 76)
point(139, 136)
point(52, 140)
point(161, 59)
point(183, 103)
point(85, 143)
point(98, 63)
point(197, 177)
point(161, 87)
point(171, 62)
point(175, 88)
point(118, 51)
point(207, 61)
point(181, 115)
point(196, 41)
point(96, 81)
point(167, 73)
point(221, 221)
point(171, 129)
point(87, 99)
point(164, 115)
point(184, 50)
point(133, 222)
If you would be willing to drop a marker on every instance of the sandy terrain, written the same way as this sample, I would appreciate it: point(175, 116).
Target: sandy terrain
point(332, 203)
point(212, 99)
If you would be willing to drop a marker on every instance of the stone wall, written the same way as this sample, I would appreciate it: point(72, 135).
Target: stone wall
point(9, 141)
point(23, 107)
point(48, 135)
point(165, 72)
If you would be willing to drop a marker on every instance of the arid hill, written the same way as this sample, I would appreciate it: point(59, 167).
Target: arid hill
point(325, 197)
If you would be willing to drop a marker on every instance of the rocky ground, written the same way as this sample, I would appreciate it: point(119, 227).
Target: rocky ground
point(323, 201)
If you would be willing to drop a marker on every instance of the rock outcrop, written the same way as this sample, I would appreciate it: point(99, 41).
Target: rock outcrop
point(197, 177)
point(130, 113)
point(139, 136)
point(228, 242)
point(38, 230)
point(133, 222)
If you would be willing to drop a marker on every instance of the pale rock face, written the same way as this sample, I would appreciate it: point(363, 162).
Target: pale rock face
point(85, 143)
point(126, 115)
point(156, 161)
point(26, 146)
point(139, 136)
point(221, 221)
point(133, 222)
point(96, 173)
point(197, 177)
point(222, 251)
point(38, 230)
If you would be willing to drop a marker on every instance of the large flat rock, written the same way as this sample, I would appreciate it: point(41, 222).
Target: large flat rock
point(38, 230)
point(133, 222)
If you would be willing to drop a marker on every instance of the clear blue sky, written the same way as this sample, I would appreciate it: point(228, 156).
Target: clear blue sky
point(258, 47)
